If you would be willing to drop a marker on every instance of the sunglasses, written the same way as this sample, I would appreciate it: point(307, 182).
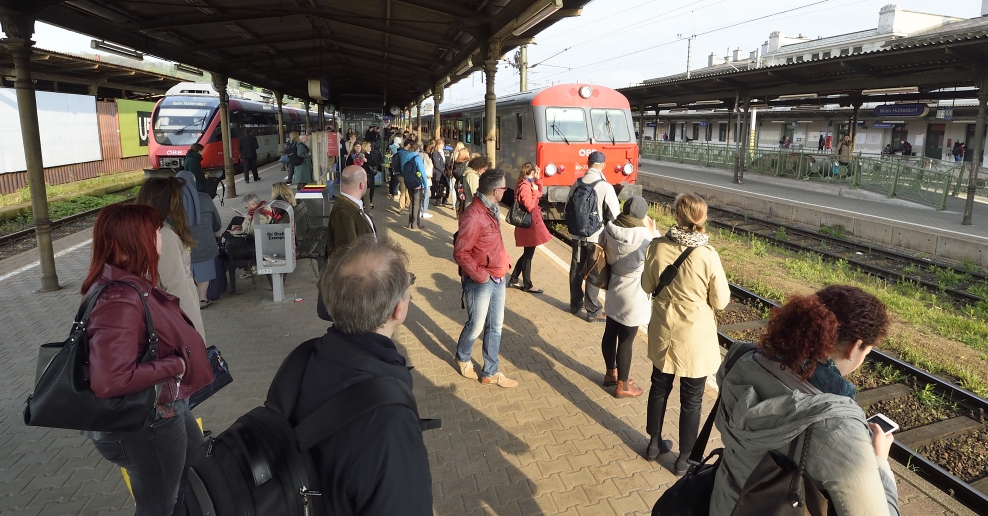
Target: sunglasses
point(411, 279)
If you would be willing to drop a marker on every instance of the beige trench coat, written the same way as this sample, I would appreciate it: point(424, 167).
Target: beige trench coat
point(682, 333)
point(175, 276)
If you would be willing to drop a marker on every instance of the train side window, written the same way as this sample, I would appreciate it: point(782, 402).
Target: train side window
point(479, 131)
point(565, 124)
point(519, 126)
point(609, 125)
point(497, 133)
point(459, 130)
point(469, 132)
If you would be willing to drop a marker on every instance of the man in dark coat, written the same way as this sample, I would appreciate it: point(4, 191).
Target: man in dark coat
point(378, 463)
point(247, 144)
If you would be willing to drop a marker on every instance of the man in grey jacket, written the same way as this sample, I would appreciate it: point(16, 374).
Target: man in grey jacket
point(608, 208)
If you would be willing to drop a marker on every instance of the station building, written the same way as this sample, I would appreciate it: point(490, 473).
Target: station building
point(931, 125)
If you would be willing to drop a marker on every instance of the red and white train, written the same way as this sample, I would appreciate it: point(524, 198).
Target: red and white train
point(556, 128)
point(189, 113)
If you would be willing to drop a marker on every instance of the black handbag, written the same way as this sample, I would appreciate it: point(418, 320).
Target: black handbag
point(221, 377)
point(62, 397)
point(518, 216)
point(690, 495)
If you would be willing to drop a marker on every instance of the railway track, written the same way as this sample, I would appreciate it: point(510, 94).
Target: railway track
point(20, 241)
point(961, 412)
point(965, 286)
point(964, 415)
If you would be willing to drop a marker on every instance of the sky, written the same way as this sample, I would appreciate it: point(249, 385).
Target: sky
point(618, 43)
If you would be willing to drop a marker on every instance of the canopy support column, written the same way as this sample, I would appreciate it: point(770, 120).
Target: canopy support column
point(418, 121)
point(744, 140)
point(219, 84)
point(281, 122)
point(979, 149)
point(493, 53)
point(321, 117)
point(20, 28)
point(437, 98)
point(308, 122)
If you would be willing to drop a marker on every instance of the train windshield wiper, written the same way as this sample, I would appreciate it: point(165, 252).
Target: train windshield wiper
point(195, 122)
point(557, 131)
point(607, 123)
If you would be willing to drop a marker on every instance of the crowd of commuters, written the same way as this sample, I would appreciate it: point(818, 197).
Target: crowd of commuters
point(166, 246)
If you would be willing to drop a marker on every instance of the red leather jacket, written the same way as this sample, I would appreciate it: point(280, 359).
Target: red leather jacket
point(479, 249)
point(118, 336)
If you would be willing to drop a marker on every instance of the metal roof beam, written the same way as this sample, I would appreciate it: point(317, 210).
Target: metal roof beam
point(785, 76)
point(861, 68)
point(448, 7)
point(88, 81)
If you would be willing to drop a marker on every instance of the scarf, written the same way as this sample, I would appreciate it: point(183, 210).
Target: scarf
point(682, 236)
point(250, 212)
point(627, 221)
point(827, 378)
point(359, 159)
point(190, 198)
point(491, 207)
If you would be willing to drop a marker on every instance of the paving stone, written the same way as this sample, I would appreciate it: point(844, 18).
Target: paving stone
point(559, 443)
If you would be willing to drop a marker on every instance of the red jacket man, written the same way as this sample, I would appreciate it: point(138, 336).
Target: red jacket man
point(479, 251)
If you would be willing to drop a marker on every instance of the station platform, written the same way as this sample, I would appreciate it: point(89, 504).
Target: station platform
point(866, 215)
point(559, 443)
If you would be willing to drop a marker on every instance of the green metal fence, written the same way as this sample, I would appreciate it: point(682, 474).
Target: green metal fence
point(922, 180)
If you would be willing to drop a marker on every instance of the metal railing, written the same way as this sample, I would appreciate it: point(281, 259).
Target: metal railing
point(924, 180)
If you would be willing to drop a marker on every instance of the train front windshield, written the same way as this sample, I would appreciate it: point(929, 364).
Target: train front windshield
point(181, 121)
point(609, 125)
point(565, 124)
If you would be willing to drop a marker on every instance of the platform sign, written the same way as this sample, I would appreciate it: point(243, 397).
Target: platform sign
point(134, 120)
point(897, 110)
point(882, 125)
point(319, 89)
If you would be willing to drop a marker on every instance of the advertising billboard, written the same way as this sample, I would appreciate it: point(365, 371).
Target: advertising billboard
point(68, 124)
point(134, 117)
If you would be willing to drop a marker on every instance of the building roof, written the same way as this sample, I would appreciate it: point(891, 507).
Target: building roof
point(969, 29)
point(398, 49)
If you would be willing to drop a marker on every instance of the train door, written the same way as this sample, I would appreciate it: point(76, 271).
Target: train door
point(934, 141)
point(900, 133)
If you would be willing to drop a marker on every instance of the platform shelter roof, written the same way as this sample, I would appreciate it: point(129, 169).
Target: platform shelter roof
point(67, 73)
point(948, 59)
point(398, 49)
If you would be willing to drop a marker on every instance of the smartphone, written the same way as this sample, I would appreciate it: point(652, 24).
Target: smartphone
point(887, 425)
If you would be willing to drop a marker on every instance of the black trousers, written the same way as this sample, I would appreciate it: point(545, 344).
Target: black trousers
point(616, 346)
point(578, 297)
point(415, 210)
point(250, 165)
point(524, 268)
point(690, 399)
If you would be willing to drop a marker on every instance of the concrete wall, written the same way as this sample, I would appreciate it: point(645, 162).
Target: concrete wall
point(918, 239)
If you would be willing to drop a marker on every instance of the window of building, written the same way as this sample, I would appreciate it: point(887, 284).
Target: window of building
point(826, 54)
point(565, 124)
point(519, 122)
point(788, 60)
point(609, 125)
point(845, 51)
point(815, 56)
point(722, 133)
point(857, 50)
point(709, 136)
point(799, 59)
point(696, 131)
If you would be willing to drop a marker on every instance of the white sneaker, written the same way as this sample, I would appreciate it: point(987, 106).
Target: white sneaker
point(426, 215)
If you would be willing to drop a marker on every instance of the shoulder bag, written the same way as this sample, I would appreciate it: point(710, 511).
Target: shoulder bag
point(596, 271)
point(62, 397)
point(670, 272)
point(690, 495)
point(518, 216)
point(221, 377)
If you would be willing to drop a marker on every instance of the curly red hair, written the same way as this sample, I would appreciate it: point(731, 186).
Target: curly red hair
point(808, 330)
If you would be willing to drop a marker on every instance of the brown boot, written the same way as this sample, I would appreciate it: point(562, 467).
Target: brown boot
point(627, 389)
point(610, 378)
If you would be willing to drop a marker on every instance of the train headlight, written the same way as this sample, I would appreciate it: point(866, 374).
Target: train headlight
point(550, 169)
point(628, 169)
point(585, 91)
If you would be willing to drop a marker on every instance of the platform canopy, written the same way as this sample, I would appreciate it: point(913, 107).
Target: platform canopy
point(66, 73)
point(399, 49)
point(954, 59)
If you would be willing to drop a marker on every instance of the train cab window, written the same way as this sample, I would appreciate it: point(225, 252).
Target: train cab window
point(519, 125)
point(565, 125)
point(181, 125)
point(609, 125)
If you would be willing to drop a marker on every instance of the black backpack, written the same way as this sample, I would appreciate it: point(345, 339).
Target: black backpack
point(292, 152)
point(261, 465)
point(582, 216)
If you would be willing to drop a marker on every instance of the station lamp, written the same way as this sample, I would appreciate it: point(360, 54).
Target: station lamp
point(535, 15)
point(110, 48)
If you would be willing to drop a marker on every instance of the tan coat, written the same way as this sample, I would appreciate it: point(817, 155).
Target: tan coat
point(682, 333)
point(175, 275)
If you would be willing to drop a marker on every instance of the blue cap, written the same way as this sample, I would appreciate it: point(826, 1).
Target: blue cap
point(596, 157)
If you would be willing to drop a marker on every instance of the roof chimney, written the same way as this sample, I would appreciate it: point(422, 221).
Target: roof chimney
point(737, 51)
point(710, 58)
point(984, 7)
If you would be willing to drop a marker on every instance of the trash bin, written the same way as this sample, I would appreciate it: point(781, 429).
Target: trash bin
point(275, 246)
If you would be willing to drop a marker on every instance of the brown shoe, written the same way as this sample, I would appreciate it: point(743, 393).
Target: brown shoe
point(466, 369)
point(627, 389)
point(500, 380)
point(610, 378)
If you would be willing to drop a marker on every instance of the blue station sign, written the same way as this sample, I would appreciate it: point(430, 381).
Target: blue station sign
point(882, 125)
point(897, 110)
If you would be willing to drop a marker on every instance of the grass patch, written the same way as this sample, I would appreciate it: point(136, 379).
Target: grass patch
point(948, 278)
point(24, 194)
point(836, 230)
point(914, 355)
point(61, 209)
point(780, 233)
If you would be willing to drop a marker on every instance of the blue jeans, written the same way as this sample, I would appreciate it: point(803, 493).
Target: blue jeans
point(156, 458)
point(485, 312)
